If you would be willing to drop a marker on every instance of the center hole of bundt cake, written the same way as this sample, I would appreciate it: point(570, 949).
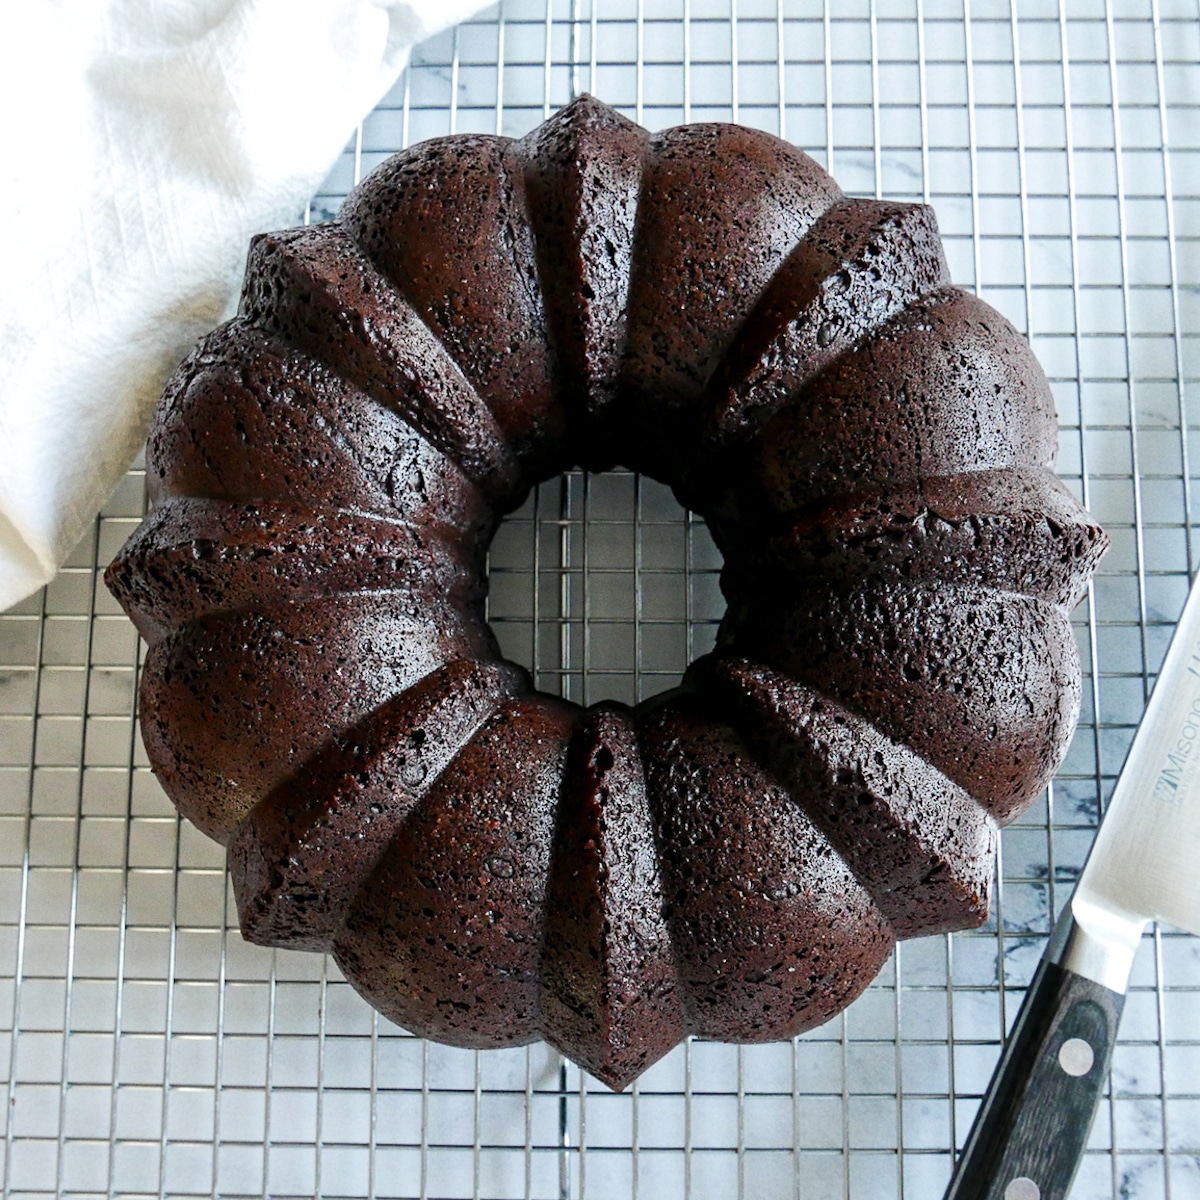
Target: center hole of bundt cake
point(604, 587)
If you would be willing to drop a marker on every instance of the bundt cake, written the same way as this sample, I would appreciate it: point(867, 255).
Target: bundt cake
point(895, 676)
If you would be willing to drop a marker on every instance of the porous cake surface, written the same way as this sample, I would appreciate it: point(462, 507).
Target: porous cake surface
point(895, 677)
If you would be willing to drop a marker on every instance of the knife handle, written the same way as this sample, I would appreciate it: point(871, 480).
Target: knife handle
point(1028, 1139)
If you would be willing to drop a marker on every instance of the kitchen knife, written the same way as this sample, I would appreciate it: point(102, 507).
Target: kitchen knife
point(1029, 1135)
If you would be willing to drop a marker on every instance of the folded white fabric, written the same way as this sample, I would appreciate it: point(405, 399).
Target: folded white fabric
point(142, 143)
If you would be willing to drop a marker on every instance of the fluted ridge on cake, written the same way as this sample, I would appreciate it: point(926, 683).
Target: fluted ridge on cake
point(920, 845)
point(583, 171)
point(945, 387)
point(314, 289)
point(982, 684)
point(251, 418)
point(860, 263)
point(247, 416)
point(720, 209)
point(235, 702)
point(446, 223)
point(611, 998)
point(192, 557)
point(772, 933)
point(446, 937)
point(1014, 528)
point(301, 856)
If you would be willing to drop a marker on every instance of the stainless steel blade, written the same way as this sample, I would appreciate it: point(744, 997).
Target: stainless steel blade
point(1143, 865)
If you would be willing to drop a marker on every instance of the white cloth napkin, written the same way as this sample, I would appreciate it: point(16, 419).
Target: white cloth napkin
point(142, 143)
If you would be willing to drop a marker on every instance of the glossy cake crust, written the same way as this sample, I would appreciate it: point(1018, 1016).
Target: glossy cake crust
point(894, 679)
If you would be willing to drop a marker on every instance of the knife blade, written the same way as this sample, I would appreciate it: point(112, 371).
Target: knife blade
point(1028, 1137)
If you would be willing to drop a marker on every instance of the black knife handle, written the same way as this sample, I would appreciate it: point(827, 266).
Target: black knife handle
point(1028, 1139)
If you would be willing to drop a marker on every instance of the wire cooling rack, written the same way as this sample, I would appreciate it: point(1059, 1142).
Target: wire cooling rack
point(149, 1051)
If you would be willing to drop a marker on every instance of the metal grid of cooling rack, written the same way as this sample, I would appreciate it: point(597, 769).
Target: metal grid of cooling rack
point(150, 1052)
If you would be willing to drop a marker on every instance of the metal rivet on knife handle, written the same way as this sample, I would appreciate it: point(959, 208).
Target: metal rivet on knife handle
point(1076, 1056)
point(1022, 1188)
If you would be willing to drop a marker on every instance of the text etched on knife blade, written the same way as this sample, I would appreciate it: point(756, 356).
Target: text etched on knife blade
point(1183, 758)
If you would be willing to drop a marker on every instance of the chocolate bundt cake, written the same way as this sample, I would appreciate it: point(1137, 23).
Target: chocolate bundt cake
point(894, 679)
